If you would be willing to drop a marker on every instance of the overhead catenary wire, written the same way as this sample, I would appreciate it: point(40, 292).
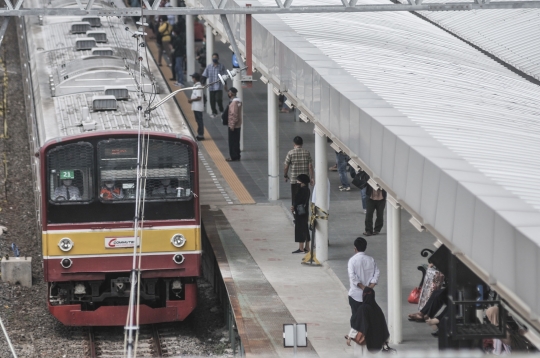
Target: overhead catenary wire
point(132, 319)
point(143, 147)
point(7, 339)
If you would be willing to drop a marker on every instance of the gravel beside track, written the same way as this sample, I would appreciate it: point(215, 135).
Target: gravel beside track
point(32, 329)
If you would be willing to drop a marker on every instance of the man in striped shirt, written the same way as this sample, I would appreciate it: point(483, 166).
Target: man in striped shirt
point(211, 72)
point(299, 161)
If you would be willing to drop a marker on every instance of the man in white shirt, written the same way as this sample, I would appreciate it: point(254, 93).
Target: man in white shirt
point(363, 272)
point(66, 191)
point(197, 104)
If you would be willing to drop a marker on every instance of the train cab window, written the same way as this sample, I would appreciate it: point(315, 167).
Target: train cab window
point(70, 173)
point(169, 171)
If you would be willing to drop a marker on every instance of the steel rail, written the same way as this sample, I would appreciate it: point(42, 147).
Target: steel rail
point(92, 342)
point(254, 10)
point(157, 341)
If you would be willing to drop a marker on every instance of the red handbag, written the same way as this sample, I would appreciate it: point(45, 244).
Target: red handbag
point(414, 296)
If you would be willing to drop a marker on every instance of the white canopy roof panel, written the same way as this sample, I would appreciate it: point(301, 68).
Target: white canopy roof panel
point(451, 133)
point(510, 35)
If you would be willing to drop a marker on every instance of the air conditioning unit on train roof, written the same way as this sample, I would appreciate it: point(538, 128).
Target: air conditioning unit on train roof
point(95, 21)
point(100, 36)
point(102, 51)
point(119, 92)
point(80, 27)
point(85, 43)
point(104, 103)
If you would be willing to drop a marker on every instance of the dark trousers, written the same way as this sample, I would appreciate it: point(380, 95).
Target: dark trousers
point(200, 124)
point(294, 189)
point(372, 206)
point(234, 143)
point(216, 96)
point(173, 67)
point(354, 304)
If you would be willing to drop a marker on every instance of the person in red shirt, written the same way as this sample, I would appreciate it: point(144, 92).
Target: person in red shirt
point(199, 35)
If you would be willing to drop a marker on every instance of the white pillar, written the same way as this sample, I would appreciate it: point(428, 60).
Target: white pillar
point(190, 46)
point(321, 178)
point(237, 83)
point(209, 52)
point(393, 236)
point(273, 144)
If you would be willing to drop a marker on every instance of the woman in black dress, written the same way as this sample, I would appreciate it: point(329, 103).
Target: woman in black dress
point(301, 229)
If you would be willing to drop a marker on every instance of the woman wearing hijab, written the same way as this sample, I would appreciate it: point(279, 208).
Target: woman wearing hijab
point(369, 320)
point(301, 229)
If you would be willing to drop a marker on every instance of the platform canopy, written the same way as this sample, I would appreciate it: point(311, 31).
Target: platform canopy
point(448, 131)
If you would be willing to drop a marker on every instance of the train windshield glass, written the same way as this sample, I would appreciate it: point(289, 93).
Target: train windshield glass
point(95, 181)
point(168, 174)
point(70, 170)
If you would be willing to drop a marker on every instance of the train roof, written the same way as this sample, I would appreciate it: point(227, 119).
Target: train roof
point(85, 77)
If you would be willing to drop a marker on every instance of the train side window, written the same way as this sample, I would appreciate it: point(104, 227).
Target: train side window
point(70, 173)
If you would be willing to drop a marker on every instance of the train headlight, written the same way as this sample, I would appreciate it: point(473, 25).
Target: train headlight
point(178, 240)
point(66, 263)
point(65, 244)
point(178, 259)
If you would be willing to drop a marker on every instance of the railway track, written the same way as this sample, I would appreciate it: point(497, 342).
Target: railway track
point(159, 340)
point(105, 342)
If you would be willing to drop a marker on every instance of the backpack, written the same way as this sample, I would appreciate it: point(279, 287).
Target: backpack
point(360, 180)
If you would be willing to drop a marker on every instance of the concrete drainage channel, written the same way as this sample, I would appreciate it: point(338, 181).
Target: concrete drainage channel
point(216, 271)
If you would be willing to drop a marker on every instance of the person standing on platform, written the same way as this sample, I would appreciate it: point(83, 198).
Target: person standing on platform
point(300, 210)
point(299, 161)
point(197, 105)
point(376, 201)
point(179, 47)
point(211, 72)
point(164, 34)
point(342, 159)
point(363, 272)
point(198, 30)
point(235, 125)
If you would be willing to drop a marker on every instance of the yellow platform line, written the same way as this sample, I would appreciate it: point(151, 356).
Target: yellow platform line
point(222, 165)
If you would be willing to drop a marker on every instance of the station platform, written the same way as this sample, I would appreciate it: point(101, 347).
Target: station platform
point(272, 287)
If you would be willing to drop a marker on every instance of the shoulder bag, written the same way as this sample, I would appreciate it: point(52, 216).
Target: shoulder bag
point(360, 338)
point(225, 116)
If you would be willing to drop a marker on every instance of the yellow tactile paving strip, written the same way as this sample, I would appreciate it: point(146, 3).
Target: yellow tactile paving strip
point(213, 151)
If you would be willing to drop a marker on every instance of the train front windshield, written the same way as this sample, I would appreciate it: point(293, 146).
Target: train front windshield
point(95, 181)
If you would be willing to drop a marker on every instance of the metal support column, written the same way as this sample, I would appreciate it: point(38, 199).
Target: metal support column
point(273, 144)
point(190, 46)
point(393, 236)
point(209, 52)
point(237, 83)
point(321, 178)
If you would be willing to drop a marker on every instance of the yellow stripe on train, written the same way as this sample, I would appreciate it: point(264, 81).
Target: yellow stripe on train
point(114, 241)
